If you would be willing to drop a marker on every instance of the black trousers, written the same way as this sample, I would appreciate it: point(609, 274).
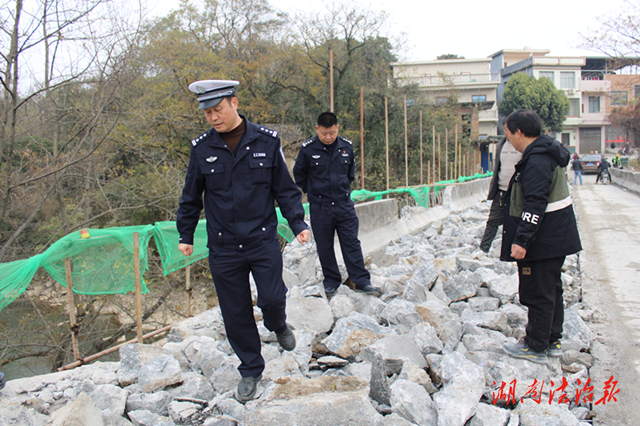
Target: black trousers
point(541, 291)
point(327, 218)
point(230, 267)
point(496, 216)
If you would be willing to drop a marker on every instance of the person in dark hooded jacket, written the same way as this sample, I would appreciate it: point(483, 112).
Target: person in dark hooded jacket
point(539, 231)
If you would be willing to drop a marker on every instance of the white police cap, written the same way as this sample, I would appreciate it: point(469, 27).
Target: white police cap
point(211, 92)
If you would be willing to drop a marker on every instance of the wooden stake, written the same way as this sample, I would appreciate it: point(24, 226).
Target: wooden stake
point(446, 154)
point(433, 158)
point(331, 80)
point(113, 349)
point(429, 171)
point(421, 166)
point(362, 135)
point(136, 271)
point(188, 289)
point(386, 134)
point(72, 310)
point(439, 159)
point(406, 145)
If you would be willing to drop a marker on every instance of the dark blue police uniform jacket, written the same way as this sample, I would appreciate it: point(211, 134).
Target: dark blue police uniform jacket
point(322, 175)
point(239, 190)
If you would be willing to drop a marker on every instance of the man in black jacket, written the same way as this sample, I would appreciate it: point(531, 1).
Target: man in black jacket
point(603, 167)
point(539, 231)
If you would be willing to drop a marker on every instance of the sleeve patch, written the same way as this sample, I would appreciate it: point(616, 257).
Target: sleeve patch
point(200, 138)
point(266, 131)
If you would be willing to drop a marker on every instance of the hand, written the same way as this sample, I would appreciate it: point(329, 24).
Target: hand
point(518, 252)
point(304, 236)
point(186, 249)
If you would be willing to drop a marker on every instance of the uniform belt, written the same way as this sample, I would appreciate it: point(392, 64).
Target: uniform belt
point(320, 199)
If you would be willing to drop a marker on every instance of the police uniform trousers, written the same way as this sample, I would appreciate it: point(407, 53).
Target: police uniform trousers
point(327, 218)
point(230, 267)
point(541, 291)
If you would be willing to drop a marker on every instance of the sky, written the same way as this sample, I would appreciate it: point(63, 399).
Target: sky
point(473, 29)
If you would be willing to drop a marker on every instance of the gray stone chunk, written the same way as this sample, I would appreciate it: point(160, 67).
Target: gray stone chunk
point(446, 323)
point(352, 334)
point(488, 319)
point(134, 356)
point(400, 312)
point(225, 378)
point(157, 402)
point(425, 276)
point(80, 412)
point(379, 384)
point(208, 323)
point(281, 367)
point(341, 306)
point(480, 304)
point(516, 315)
point(310, 314)
point(468, 263)
point(332, 362)
point(395, 348)
point(504, 287)
point(575, 335)
point(533, 414)
point(158, 373)
point(395, 420)
point(415, 374)
point(462, 286)
point(426, 338)
point(412, 402)
point(463, 386)
point(193, 386)
point(489, 415)
point(15, 413)
point(180, 411)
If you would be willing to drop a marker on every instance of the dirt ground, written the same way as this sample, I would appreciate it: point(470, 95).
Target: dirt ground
point(609, 229)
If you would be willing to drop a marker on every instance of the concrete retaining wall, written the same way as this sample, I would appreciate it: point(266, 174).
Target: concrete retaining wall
point(626, 179)
point(380, 221)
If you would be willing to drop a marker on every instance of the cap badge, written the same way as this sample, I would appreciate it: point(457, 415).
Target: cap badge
point(211, 159)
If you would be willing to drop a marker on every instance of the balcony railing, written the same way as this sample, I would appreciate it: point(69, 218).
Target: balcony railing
point(452, 79)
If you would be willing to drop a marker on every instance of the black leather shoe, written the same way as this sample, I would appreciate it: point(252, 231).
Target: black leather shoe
point(369, 289)
point(286, 338)
point(330, 291)
point(247, 388)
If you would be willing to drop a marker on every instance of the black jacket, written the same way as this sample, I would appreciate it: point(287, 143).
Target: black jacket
point(539, 213)
point(324, 175)
point(576, 165)
point(239, 190)
point(493, 186)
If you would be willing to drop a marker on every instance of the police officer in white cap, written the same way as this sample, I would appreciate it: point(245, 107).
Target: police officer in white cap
point(240, 168)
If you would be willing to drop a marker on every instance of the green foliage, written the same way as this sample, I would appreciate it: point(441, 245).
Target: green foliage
point(525, 92)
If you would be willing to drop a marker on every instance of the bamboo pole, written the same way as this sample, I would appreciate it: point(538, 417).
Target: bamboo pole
point(136, 271)
point(188, 289)
point(72, 310)
point(446, 154)
point(406, 145)
point(429, 171)
point(457, 154)
point(362, 135)
point(433, 142)
point(439, 159)
point(386, 134)
point(113, 349)
point(421, 165)
point(331, 80)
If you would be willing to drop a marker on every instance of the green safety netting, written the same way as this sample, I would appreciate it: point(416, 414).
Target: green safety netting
point(102, 261)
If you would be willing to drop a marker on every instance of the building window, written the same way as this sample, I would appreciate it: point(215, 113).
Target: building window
point(566, 139)
point(636, 91)
point(567, 80)
point(619, 97)
point(594, 104)
point(547, 74)
point(478, 98)
point(426, 78)
point(466, 77)
point(574, 107)
point(441, 101)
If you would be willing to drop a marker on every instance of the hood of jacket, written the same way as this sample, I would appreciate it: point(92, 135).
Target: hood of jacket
point(546, 144)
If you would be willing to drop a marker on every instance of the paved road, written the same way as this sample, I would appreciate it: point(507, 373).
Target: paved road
point(609, 218)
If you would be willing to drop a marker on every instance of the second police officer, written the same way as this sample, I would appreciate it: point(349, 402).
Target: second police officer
point(324, 170)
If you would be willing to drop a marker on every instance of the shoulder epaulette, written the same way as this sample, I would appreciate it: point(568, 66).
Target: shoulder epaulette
point(267, 131)
point(347, 141)
point(310, 141)
point(200, 138)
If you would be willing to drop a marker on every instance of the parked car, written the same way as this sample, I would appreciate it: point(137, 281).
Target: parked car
point(590, 163)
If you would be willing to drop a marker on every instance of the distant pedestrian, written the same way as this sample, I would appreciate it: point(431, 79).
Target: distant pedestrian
point(540, 230)
point(505, 160)
point(603, 168)
point(576, 166)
